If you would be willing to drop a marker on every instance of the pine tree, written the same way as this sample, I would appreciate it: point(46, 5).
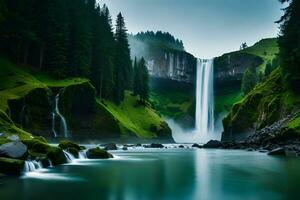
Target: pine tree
point(289, 44)
point(123, 65)
point(144, 93)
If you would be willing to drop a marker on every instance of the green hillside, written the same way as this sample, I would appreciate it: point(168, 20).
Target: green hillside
point(17, 82)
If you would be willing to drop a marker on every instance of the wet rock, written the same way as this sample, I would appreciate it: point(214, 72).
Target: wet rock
point(110, 146)
point(65, 144)
point(196, 146)
point(13, 149)
point(97, 153)
point(263, 151)
point(277, 152)
point(70, 147)
point(138, 145)
point(125, 148)
point(154, 145)
point(213, 144)
point(14, 138)
point(11, 166)
point(181, 146)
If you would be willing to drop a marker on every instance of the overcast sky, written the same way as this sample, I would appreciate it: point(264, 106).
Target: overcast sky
point(208, 28)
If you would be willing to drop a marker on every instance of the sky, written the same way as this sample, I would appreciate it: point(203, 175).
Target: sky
point(208, 28)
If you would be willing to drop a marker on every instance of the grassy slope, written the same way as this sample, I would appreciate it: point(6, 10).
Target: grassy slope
point(134, 118)
point(267, 50)
point(16, 82)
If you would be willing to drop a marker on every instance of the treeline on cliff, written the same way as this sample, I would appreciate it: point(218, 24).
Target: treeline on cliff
point(68, 38)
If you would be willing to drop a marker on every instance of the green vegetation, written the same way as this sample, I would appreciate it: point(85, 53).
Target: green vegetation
point(267, 49)
point(141, 80)
point(249, 81)
point(264, 105)
point(173, 104)
point(224, 101)
point(66, 39)
point(134, 117)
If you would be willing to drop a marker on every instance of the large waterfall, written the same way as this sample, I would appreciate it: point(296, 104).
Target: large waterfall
point(204, 119)
point(205, 98)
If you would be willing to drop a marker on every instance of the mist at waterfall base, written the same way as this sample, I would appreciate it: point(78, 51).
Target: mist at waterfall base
point(206, 127)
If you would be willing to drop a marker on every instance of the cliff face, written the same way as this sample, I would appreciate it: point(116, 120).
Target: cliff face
point(174, 65)
point(163, 60)
point(229, 68)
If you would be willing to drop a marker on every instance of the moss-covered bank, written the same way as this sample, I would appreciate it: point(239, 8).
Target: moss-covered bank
point(269, 102)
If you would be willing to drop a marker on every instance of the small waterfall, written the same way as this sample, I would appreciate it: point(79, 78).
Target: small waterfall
point(62, 119)
point(205, 97)
point(32, 165)
point(53, 124)
point(69, 156)
point(82, 154)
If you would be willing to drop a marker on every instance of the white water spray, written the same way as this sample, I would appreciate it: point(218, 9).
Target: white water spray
point(69, 156)
point(31, 166)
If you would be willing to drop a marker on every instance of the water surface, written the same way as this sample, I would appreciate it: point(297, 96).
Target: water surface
point(167, 174)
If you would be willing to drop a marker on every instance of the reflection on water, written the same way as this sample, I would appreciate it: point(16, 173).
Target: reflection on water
point(163, 174)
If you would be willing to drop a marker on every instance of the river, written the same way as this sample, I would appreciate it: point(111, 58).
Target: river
point(167, 174)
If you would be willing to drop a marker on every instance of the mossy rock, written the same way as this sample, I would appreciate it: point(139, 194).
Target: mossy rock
point(73, 151)
point(56, 155)
point(79, 99)
point(97, 153)
point(65, 144)
point(38, 148)
point(11, 166)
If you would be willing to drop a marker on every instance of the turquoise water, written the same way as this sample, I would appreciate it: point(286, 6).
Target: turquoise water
point(168, 174)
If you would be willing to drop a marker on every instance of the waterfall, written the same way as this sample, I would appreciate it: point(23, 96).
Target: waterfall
point(53, 124)
point(82, 154)
point(205, 97)
point(31, 166)
point(62, 119)
point(69, 156)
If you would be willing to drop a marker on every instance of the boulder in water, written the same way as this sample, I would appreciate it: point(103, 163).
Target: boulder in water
point(13, 149)
point(154, 145)
point(110, 146)
point(125, 148)
point(196, 146)
point(97, 153)
point(65, 144)
point(213, 144)
point(277, 152)
point(11, 166)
